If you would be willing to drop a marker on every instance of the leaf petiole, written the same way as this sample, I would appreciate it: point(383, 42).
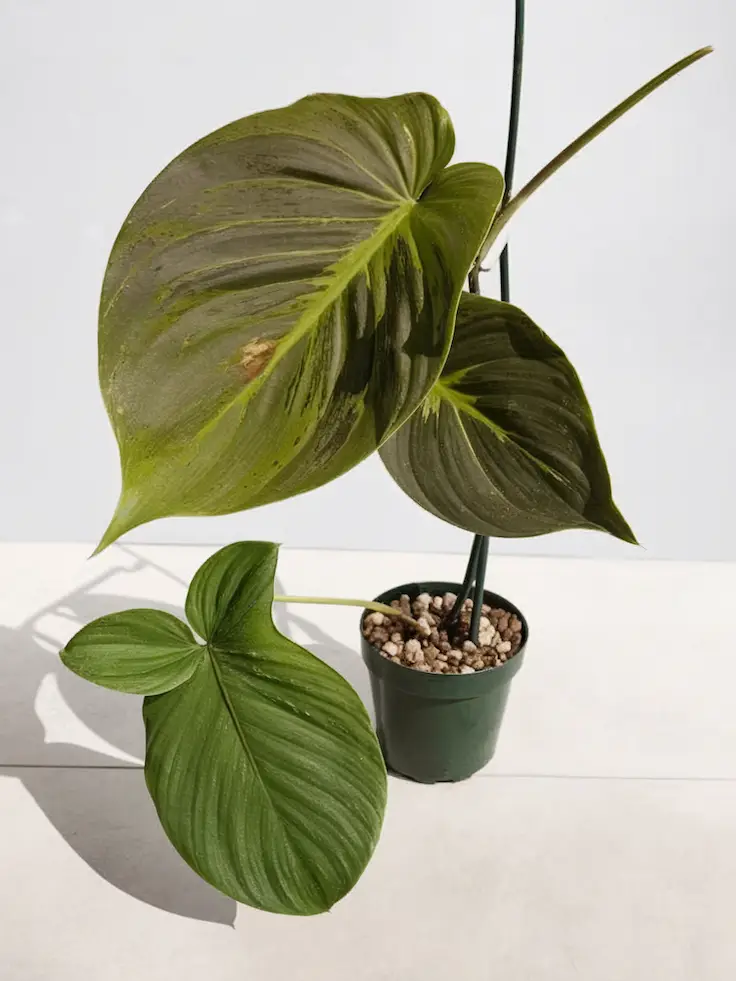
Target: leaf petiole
point(510, 209)
point(336, 601)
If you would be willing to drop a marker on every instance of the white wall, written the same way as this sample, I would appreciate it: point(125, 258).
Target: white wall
point(626, 258)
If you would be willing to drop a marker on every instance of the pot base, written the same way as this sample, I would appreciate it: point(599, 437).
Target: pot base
point(436, 727)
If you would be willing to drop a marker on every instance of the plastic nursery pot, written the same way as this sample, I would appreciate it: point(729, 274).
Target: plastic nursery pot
point(435, 727)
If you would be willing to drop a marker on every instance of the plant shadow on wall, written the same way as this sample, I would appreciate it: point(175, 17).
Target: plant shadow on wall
point(97, 802)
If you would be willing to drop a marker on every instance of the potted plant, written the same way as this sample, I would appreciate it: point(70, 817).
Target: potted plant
point(284, 299)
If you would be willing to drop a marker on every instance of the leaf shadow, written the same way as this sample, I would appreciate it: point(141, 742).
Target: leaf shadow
point(96, 799)
point(98, 803)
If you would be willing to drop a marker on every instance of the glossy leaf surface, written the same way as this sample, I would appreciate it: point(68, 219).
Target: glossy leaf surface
point(262, 763)
point(143, 652)
point(281, 298)
point(505, 444)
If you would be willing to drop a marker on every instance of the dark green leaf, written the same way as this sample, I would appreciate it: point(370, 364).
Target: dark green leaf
point(281, 298)
point(505, 444)
point(143, 652)
point(264, 768)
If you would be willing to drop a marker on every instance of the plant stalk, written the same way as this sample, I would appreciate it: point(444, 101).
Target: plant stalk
point(513, 137)
point(479, 588)
point(364, 604)
point(478, 561)
point(467, 581)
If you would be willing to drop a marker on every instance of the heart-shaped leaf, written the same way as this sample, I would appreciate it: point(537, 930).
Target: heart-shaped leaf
point(505, 443)
point(262, 764)
point(281, 298)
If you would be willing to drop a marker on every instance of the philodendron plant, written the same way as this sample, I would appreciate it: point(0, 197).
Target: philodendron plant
point(285, 298)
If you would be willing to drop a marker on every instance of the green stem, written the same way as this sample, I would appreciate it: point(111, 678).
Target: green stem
point(588, 136)
point(468, 581)
point(479, 554)
point(337, 601)
point(480, 582)
point(513, 137)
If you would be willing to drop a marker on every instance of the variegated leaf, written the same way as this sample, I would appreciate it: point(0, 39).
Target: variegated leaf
point(505, 443)
point(281, 298)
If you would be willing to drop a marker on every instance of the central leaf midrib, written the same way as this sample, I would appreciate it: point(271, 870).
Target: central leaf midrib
point(238, 729)
point(285, 829)
point(312, 315)
point(462, 405)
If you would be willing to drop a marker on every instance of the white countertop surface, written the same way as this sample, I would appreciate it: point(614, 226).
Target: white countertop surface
point(600, 842)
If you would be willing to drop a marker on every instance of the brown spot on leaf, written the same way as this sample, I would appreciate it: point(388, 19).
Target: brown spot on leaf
point(254, 357)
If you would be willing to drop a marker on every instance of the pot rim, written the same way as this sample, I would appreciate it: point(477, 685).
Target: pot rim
point(442, 685)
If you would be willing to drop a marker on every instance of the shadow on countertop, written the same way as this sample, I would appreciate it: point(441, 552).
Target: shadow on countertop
point(98, 803)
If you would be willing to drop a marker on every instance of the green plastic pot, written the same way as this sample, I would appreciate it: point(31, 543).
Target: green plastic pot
point(436, 727)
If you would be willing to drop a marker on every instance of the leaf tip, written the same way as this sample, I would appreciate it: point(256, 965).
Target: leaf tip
point(128, 515)
point(114, 530)
point(628, 533)
point(619, 527)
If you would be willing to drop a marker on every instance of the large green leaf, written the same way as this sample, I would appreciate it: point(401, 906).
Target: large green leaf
point(281, 298)
point(262, 764)
point(505, 443)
